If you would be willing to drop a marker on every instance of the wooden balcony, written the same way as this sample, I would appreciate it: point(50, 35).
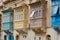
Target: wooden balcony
point(21, 17)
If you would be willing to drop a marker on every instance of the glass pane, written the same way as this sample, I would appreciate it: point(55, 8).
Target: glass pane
point(54, 10)
point(6, 19)
point(59, 10)
point(20, 16)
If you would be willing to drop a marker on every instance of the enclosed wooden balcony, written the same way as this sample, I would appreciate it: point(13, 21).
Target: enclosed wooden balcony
point(7, 19)
point(38, 17)
point(21, 17)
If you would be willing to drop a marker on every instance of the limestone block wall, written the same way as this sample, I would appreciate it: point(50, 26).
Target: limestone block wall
point(58, 36)
point(53, 34)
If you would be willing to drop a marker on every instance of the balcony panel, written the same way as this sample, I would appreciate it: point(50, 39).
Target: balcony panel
point(37, 23)
point(7, 26)
point(56, 21)
point(18, 25)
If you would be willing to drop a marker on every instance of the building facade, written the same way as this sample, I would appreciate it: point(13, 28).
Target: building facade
point(29, 20)
point(7, 23)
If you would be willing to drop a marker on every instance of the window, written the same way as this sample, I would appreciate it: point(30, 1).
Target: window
point(5, 37)
point(7, 17)
point(37, 38)
point(55, 16)
point(10, 37)
point(48, 37)
point(24, 36)
point(17, 37)
point(54, 10)
point(59, 10)
point(20, 15)
point(36, 11)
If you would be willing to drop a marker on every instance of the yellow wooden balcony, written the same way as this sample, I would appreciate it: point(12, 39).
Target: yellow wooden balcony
point(21, 17)
point(38, 16)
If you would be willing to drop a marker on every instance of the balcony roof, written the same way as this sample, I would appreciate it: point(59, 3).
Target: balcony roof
point(7, 1)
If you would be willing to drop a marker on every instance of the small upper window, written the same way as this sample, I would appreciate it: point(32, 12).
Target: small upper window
point(48, 37)
point(24, 36)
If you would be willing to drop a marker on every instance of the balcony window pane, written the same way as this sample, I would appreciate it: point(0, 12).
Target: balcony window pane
point(20, 16)
point(6, 19)
point(54, 10)
point(36, 11)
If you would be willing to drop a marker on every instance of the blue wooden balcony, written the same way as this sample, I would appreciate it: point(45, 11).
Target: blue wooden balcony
point(7, 20)
point(55, 17)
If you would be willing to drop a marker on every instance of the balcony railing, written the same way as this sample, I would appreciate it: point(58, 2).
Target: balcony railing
point(37, 23)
